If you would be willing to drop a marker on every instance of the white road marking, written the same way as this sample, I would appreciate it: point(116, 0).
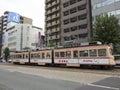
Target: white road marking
point(113, 88)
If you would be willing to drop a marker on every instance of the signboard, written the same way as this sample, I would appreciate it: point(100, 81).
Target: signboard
point(39, 38)
point(94, 61)
point(13, 17)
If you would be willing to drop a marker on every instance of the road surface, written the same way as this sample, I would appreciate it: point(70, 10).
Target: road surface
point(25, 78)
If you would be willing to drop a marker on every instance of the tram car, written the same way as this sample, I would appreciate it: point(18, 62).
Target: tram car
point(100, 55)
point(20, 57)
point(94, 55)
point(41, 57)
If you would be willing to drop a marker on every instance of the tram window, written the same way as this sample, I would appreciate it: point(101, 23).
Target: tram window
point(93, 52)
point(75, 54)
point(26, 55)
point(35, 55)
point(101, 52)
point(19, 56)
point(38, 55)
point(43, 55)
point(56, 54)
point(16, 56)
point(48, 55)
point(68, 54)
point(62, 54)
point(84, 53)
point(31, 55)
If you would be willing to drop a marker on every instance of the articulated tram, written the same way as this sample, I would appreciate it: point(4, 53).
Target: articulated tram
point(94, 55)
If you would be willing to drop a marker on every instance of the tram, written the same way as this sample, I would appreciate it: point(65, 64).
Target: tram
point(92, 55)
point(117, 59)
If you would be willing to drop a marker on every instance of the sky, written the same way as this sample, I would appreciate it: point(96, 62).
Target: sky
point(34, 9)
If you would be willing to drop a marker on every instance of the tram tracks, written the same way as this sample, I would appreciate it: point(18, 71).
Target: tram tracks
point(113, 72)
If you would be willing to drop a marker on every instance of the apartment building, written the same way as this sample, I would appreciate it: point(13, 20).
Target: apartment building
point(76, 21)
point(53, 22)
point(99, 7)
point(67, 21)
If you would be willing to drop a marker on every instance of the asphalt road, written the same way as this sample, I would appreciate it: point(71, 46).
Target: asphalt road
point(19, 81)
point(12, 80)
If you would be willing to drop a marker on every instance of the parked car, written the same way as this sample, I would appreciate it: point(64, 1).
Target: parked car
point(3, 60)
point(9, 60)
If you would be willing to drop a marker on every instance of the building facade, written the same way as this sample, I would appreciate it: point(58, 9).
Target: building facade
point(9, 15)
point(67, 21)
point(1, 29)
point(99, 7)
point(53, 22)
point(76, 21)
point(8, 20)
point(23, 36)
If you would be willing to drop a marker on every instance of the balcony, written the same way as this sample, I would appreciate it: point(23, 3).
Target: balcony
point(47, 1)
point(48, 6)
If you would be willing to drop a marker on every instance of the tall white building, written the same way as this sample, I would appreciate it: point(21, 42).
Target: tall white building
point(23, 36)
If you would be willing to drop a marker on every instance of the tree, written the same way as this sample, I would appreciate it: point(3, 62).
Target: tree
point(106, 29)
point(51, 44)
point(6, 53)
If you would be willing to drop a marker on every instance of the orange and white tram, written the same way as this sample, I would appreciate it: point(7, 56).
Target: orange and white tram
point(41, 57)
point(95, 55)
point(20, 57)
point(86, 55)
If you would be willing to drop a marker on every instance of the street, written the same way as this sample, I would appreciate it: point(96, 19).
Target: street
point(25, 78)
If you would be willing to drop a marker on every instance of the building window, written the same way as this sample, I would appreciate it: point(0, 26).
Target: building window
point(74, 28)
point(83, 35)
point(82, 7)
point(73, 10)
point(73, 37)
point(79, 0)
point(66, 21)
point(84, 26)
point(74, 19)
point(82, 17)
point(66, 13)
point(66, 30)
point(66, 4)
point(72, 2)
point(66, 38)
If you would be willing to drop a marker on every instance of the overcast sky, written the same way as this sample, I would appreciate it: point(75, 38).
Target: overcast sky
point(33, 9)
